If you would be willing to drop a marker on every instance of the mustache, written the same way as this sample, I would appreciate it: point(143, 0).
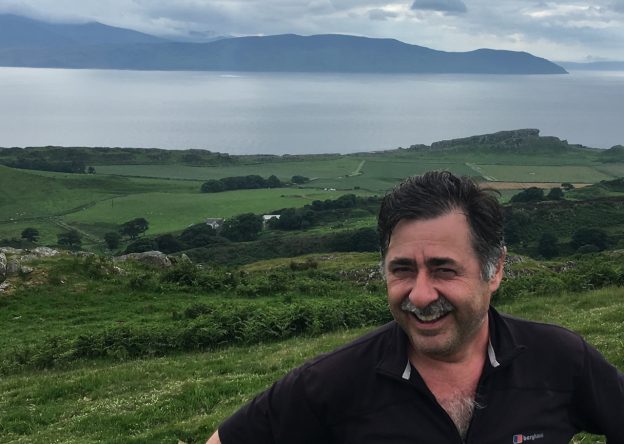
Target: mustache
point(438, 307)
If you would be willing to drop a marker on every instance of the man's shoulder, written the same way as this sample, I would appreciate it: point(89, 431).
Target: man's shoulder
point(369, 347)
point(533, 333)
point(542, 345)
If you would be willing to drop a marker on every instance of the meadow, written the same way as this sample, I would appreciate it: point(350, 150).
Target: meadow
point(94, 350)
point(163, 186)
point(91, 355)
point(128, 385)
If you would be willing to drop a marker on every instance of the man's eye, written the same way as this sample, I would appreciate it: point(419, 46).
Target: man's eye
point(401, 270)
point(445, 272)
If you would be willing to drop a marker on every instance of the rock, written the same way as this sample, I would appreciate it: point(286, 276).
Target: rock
point(4, 286)
point(156, 259)
point(45, 252)
point(26, 270)
point(10, 250)
point(182, 259)
point(3, 267)
point(13, 267)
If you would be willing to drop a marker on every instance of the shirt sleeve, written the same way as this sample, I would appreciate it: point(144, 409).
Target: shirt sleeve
point(599, 397)
point(281, 415)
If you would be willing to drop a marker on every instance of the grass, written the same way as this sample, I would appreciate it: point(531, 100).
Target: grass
point(185, 397)
point(311, 168)
point(540, 173)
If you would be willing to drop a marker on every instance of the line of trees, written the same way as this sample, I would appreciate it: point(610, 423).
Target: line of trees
point(249, 182)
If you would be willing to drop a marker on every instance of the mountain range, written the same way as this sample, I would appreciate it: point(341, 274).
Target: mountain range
point(30, 43)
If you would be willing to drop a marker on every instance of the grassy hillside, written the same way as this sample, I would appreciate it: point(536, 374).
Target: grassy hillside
point(89, 354)
point(162, 186)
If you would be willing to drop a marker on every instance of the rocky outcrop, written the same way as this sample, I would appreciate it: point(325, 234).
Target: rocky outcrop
point(13, 260)
point(3, 267)
point(155, 259)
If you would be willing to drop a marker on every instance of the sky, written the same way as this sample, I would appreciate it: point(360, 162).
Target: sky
point(559, 30)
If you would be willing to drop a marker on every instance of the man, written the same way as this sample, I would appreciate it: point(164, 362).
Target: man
point(449, 369)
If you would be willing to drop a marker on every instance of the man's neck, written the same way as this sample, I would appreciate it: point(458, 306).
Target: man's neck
point(460, 372)
point(453, 380)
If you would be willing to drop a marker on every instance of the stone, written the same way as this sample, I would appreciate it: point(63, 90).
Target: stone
point(45, 252)
point(155, 259)
point(11, 250)
point(3, 267)
point(13, 267)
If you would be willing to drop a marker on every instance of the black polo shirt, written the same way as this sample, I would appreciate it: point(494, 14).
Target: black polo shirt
point(540, 383)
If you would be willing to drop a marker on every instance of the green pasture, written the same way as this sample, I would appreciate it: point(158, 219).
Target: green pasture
point(185, 396)
point(326, 168)
point(167, 212)
point(541, 173)
point(611, 169)
point(26, 195)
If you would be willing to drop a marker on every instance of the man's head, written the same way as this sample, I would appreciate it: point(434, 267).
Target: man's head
point(437, 193)
point(443, 252)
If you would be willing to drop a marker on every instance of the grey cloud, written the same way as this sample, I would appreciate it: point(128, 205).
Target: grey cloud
point(380, 14)
point(456, 6)
point(618, 5)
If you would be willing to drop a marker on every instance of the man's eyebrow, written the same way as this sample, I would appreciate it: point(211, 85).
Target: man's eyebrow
point(402, 261)
point(439, 261)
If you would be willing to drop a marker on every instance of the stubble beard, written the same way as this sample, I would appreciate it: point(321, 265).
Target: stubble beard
point(467, 322)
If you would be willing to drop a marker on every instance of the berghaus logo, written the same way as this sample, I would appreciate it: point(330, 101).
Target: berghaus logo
point(518, 439)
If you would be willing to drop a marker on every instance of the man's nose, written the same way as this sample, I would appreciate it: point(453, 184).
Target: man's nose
point(423, 291)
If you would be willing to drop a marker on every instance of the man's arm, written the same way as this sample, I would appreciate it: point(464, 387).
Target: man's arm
point(214, 439)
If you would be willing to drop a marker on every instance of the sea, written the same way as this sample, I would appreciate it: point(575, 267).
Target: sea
point(299, 113)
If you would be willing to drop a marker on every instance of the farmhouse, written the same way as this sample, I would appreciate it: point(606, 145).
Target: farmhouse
point(215, 222)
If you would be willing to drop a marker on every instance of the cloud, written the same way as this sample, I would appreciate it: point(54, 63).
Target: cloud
point(451, 6)
point(556, 29)
point(381, 14)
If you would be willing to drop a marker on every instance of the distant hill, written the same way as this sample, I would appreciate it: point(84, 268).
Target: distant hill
point(593, 66)
point(525, 141)
point(21, 33)
point(26, 42)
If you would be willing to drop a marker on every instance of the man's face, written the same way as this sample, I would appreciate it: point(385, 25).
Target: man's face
point(435, 289)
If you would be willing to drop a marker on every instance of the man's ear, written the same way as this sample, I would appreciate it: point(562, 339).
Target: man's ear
point(500, 271)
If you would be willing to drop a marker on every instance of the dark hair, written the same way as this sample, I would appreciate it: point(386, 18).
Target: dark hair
point(437, 193)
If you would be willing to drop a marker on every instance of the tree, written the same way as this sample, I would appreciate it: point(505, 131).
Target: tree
point(299, 179)
point(555, 194)
point(212, 186)
point(112, 240)
point(548, 246)
point(135, 227)
point(198, 235)
point(274, 182)
point(141, 246)
point(590, 236)
point(244, 227)
point(167, 243)
point(532, 194)
point(91, 170)
point(30, 234)
point(567, 186)
point(71, 239)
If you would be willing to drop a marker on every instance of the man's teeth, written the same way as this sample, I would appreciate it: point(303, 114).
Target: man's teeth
point(431, 313)
point(429, 318)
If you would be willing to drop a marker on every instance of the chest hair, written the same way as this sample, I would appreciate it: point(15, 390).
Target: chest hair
point(460, 407)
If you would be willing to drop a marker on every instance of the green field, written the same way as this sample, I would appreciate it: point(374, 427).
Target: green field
point(168, 196)
point(539, 173)
point(312, 168)
point(186, 395)
point(168, 212)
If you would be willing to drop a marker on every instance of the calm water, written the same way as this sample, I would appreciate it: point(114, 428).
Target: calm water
point(299, 113)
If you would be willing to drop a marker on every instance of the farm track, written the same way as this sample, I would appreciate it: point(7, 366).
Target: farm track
point(62, 224)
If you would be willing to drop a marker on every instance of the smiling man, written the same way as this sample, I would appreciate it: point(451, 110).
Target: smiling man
point(449, 369)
